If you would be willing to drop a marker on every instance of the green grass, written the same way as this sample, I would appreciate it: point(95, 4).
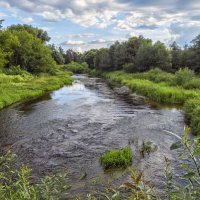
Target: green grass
point(163, 87)
point(116, 158)
point(14, 88)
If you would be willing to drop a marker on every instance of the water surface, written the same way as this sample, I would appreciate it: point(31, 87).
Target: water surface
point(71, 127)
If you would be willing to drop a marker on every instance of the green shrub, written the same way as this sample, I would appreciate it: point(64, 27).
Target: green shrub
point(116, 158)
point(75, 67)
point(128, 67)
point(16, 182)
point(182, 76)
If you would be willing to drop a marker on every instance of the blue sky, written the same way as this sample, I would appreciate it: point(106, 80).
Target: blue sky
point(85, 24)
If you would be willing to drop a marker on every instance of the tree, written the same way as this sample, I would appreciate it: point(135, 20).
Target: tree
point(57, 56)
point(177, 55)
point(89, 56)
point(195, 50)
point(151, 56)
point(102, 59)
point(24, 49)
point(36, 32)
point(118, 55)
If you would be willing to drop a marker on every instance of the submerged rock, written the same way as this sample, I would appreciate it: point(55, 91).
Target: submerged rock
point(137, 98)
point(124, 90)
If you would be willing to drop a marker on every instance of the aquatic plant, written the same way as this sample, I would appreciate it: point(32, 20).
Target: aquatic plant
point(116, 158)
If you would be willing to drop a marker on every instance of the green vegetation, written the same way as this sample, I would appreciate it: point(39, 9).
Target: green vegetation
point(75, 67)
point(14, 88)
point(116, 158)
point(16, 182)
point(146, 148)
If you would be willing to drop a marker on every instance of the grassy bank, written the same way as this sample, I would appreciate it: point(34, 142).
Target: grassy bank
point(14, 88)
point(182, 88)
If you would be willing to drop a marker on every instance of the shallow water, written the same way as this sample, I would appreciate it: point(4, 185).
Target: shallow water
point(71, 127)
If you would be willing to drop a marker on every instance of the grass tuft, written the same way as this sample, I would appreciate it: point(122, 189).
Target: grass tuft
point(116, 158)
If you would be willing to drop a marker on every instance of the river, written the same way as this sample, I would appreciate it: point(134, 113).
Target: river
point(71, 127)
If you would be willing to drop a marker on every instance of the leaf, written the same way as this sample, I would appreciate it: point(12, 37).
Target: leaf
point(137, 180)
point(176, 145)
point(197, 151)
point(189, 175)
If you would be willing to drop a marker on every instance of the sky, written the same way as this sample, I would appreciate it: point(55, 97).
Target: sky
point(86, 24)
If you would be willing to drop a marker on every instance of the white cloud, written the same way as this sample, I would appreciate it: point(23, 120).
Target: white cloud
point(27, 20)
point(152, 18)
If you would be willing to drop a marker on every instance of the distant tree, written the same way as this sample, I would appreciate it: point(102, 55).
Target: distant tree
point(177, 56)
point(118, 55)
point(89, 56)
point(57, 55)
point(102, 59)
point(133, 44)
point(151, 56)
point(71, 55)
point(196, 54)
point(162, 56)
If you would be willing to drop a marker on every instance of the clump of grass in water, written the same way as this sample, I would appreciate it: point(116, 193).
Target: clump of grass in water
point(116, 158)
point(146, 148)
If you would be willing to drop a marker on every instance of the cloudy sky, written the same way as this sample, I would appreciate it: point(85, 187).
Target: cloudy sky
point(85, 24)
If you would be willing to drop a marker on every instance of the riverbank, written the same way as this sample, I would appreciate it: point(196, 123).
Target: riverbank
point(15, 88)
point(162, 88)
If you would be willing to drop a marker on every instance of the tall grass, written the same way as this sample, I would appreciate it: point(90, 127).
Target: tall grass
point(14, 88)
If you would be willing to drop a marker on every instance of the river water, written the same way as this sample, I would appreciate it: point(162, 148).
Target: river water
point(71, 127)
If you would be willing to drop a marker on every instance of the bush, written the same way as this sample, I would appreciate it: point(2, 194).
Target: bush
point(128, 67)
point(16, 183)
point(78, 68)
point(16, 70)
point(182, 76)
point(116, 158)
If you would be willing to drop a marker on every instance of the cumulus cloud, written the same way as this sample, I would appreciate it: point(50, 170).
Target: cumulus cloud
point(27, 19)
point(83, 35)
point(81, 46)
point(157, 19)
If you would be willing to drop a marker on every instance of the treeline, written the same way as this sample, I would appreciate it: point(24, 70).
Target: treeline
point(139, 54)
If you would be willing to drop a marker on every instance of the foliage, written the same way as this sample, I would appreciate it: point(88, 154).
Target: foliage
point(75, 67)
point(102, 59)
point(188, 149)
point(128, 67)
point(14, 88)
point(116, 158)
point(16, 70)
point(23, 47)
point(183, 76)
point(16, 183)
point(57, 55)
point(36, 32)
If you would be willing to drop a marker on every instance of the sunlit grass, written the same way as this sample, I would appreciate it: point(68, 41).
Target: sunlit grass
point(116, 158)
point(14, 88)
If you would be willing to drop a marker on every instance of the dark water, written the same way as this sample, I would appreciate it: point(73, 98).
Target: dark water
point(71, 127)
